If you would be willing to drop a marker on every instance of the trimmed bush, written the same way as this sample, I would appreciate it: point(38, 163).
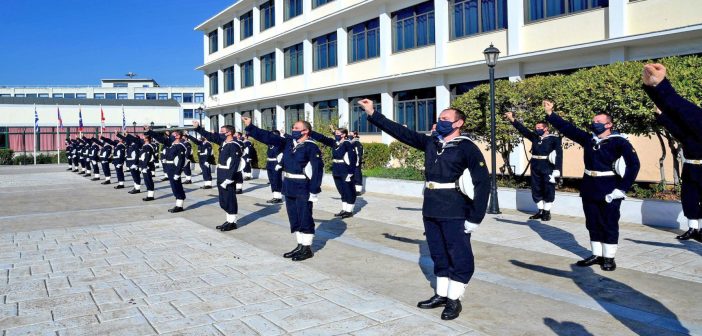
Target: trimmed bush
point(375, 155)
point(6, 156)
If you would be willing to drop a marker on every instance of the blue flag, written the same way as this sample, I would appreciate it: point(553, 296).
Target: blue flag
point(36, 120)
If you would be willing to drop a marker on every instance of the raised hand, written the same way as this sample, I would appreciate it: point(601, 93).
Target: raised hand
point(196, 123)
point(246, 121)
point(509, 116)
point(548, 106)
point(367, 106)
point(653, 74)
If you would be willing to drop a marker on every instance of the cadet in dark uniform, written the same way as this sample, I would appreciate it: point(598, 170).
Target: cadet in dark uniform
point(603, 186)
point(675, 115)
point(302, 168)
point(132, 159)
point(162, 156)
point(358, 173)
point(455, 200)
point(69, 155)
point(343, 167)
point(147, 166)
point(187, 169)
point(174, 161)
point(205, 159)
point(248, 154)
point(274, 157)
point(85, 156)
point(239, 176)
point(118, 156)
point(229, 160)
point(106, 158)
point(75, 150)
point(544, 148)
point(95, 158)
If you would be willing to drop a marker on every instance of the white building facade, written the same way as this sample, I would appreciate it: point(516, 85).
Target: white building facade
point(284, 60)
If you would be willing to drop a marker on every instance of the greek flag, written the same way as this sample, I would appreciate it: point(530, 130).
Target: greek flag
point(124, 120)
point(36, 120)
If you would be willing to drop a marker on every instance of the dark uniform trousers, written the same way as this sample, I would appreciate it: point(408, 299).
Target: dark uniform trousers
point(691, 191)
point(300, 214)
point(176, 184)
point(450, 248)
point(106, 168)
point(346, 189)
point(205, 168)
point(136, 176)
point(541, 188)
point(602, 220)
point(148, 180)
point(119, 171)
point(227, 196)
point(275, 177)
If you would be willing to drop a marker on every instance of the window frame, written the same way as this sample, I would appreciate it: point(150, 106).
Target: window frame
point(213, 36)
point(357, 114)
point(566, 9)
point(481, 29)
point(246, 25)
point(214, 78)
point(229, 83)
point(351, 45)
point(228, 29)
point(415, 18)
point(300, 60)
point(330, 46)
point(286, 13)
point(246, 72)
point(266, 61)
point(266, 11)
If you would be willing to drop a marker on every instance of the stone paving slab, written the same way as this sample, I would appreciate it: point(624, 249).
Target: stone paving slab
point(175, 277)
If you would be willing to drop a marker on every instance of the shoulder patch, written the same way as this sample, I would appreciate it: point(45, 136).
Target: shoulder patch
point(482, 163)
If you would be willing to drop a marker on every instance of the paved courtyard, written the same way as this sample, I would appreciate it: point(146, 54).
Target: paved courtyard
point(77, 257)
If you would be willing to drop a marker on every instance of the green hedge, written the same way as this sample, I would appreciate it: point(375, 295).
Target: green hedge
point(25, 159)
point(6, 156)
point(408, 157)
point(375, 155)
point(395, 173)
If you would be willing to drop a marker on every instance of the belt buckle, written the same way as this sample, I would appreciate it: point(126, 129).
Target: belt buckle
point(594, 174)
point(430, 185)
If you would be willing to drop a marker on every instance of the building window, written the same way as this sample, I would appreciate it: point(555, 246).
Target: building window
point(110, 96)
point(122, 96)
point(247, 74)
point(246, 25)
point(120, 85)
point(247, 113)
point(294, 60)
point(31, 95)
point(22, 95)
point(163, 96)
point(542, 9)
point(43, 95)
point(413, 27)
point(150, 96)
point(69, 95)
point(214, 123)
point(268, 119)
point(324, 55)
point(364, 40)
point(359, 121)
point(326, 112)
point(229, 119)
point(213, 41)
point(267, 10)
point(177, 97)
point(459, 89)
point(4, 138)
point(214, 85)
point(228, 79)
point(81, 95)
point(293, 113)
point(293, 8)
point(416, 109)
point(228, 34)
point(55, 95)
point(199, 97)
point(188, 114)
point(317, 3)
point(139, 96)
point(97, 96)
point(268, 68)
point(187, 97)
point(477, 16)
point(5, 95)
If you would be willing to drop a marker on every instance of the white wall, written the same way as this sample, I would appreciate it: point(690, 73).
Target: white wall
point(23, 115)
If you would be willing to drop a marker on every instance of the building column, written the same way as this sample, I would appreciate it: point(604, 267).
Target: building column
point(237, 75)
point(385, 40)
point(236, 30)
point(279, 63)
point(256, 116)
point(515, 22)
point(307, 59)
point(237, 121)
point(206, 43)
point(256, 71)
point(279, 11)
point(515, 72)
point(344, 114)
point(306, 8)
point(387, 106)
point(280, 116)
point(441, 18)
point(617, 18)
point(309, 111)
point(220, 38)
point(618, 54)
point(256, 22)
point(341, 51)
point(443, 95)
point(220, 82)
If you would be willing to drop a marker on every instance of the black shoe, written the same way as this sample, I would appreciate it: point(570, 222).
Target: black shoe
point(434, 302)
point(206, 187)
point(176, 209)
point(608, 264)
point(537, 215)
point(228, 227)
point(358, 193)
point(134, 191)
point(452, 310)
point(119, 186)
point(247, 179)
point(188, 182)
point(69, 169)
point(239, 191)
point(304, 253)
point(293, 252)
point(689, 234)
point(105, 182)
point(164, 179)
point(546, 216)
point(346, 214)
point(589, 261)
point(276, 201)
point(341, 213)
point(146, 199)
point(219, 227)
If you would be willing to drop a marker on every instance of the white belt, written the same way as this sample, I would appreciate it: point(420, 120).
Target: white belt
point(599, 173)
point(273, 159)
point(694, 162)
point(169, 162)
point(222, 166)
point(339, 161)
point(436, 185)
point(539, 157)
point(294, 176)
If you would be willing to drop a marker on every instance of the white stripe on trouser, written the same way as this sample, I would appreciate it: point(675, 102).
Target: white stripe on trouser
point(239, 186)
point(107, 178)
point(120, 183)
point(349, 207)
point(137, 186)
point(343, 206)
point(359, 188)
point(231, 218)
point(179, 203)
point(208, 183)
point(693, 223)
point(547, 206)
point(96, 175)
point(277, 195)
point(307, 239)
point(442, 284)
point(609, 250)
point(596, 248)
point(298, 237)
point(456, 289)
point(540, 205)
point(149, 193)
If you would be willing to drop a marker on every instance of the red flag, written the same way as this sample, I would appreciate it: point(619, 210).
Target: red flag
point(102, 118)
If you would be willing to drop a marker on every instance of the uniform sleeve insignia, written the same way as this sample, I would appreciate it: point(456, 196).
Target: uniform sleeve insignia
point(482, 163)
point(633, 150)
point(317, 155)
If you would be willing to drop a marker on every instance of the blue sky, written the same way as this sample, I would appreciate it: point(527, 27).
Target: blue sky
point(51, 42)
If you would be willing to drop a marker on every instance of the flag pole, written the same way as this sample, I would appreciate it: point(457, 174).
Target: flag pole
point(102, 124)
point(35, 135)
point(58, 138)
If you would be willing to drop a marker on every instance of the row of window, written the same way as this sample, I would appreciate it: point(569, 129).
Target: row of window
point(414, 26)
point(180, 97)
point(193, 114)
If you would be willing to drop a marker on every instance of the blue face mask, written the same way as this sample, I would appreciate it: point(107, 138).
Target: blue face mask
point(296, 135)
point(444, 127)
point(598, 128)
point(540, 131)
point(337, 137)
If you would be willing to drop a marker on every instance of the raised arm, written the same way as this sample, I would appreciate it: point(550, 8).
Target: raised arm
point(327, 141)
point(397, 131)
point(659, 89)
point(211, 137)
point(672, 127)
point(569, 130)
point(160, 137)
point(267, 137)
point(193, 139)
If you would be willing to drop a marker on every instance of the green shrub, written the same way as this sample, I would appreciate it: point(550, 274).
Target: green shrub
point(395, 173)
point(6, 156)
point(23, 159)
point(375, 155)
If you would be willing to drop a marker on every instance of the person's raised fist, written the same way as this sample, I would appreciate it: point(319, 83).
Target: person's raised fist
point(653, 74)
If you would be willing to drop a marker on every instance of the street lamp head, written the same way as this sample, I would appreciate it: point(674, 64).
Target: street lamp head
point(491, 53)
point(134, 123)
point(152, 124)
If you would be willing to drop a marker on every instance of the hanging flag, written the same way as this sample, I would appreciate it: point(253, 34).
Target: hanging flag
point(60, 121)
point(36, 120)
point(102, 119)
point(124, 120)
point(80, 120)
